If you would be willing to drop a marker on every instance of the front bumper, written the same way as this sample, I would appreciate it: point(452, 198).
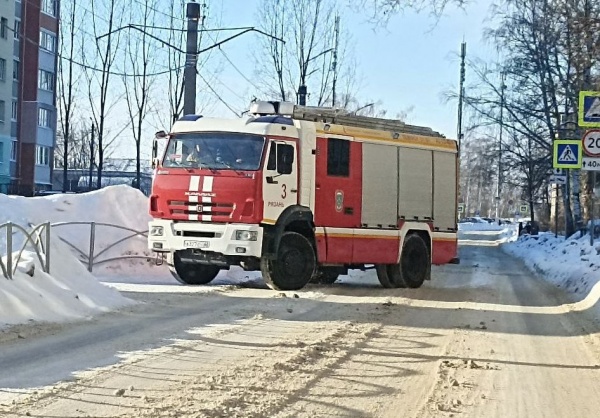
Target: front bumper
point(217, 238)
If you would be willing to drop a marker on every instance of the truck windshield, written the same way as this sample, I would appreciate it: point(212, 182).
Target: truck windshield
point(215, 150)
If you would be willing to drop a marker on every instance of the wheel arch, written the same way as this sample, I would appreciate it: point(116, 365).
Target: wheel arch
point(421, 229)
point(294, 218)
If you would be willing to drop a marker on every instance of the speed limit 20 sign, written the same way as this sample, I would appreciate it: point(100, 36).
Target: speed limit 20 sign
point(591, 143)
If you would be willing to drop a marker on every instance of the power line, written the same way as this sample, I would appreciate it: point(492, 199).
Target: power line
point(218, 96)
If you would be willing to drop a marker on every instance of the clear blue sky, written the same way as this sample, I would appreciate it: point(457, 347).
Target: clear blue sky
point(410, 63)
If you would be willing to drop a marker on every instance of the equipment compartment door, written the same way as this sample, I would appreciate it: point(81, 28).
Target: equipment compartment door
point(338, 188)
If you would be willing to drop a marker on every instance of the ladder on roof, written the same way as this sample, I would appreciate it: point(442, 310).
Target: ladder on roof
point(343, 117)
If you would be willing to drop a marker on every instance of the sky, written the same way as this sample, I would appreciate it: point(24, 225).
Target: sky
point(407, 65)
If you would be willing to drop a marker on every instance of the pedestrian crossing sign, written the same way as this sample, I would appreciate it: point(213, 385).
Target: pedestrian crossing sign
point(589, 109)
point(567, 154)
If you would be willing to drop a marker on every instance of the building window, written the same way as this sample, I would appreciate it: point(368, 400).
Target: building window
point(16, 65)
point(46, 80)
point(14, 110)
point(49, 7)
point(17, 29)
point(1, 152)
point(48, 41)
point(13, 151)
point(338, 157)
point(42, 155)
point(2, 110)
point(44, 118)
point(2, 69)
point(4, 28)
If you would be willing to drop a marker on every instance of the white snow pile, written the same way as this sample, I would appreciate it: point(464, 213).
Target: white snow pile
point(572, 264)
point(70, 292)
point(481, 230)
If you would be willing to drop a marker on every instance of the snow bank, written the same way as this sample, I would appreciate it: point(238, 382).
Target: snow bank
point(572, 264)
point(70, 291)
point(118, 205)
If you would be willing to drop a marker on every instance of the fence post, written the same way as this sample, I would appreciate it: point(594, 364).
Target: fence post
point(47, 266)
point(92, 239)
point(9, 250)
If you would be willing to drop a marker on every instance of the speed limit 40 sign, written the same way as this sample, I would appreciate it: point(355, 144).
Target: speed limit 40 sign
point(591, 143)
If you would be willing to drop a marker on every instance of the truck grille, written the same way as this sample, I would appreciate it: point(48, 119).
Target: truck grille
point(183, 209)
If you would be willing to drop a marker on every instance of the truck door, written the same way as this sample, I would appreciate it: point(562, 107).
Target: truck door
point(338, 187)
point(280, 179)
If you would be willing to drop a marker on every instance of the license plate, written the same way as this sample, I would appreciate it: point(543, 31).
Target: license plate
point(196, 244)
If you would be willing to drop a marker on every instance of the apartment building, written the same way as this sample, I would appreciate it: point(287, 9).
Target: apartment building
point(28, 94)
point(7, 146)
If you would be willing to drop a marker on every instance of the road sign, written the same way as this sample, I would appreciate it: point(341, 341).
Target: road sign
point(523, 208)
point(591, 143)
point(590, 164)
point(461, 208)
point(589, 109)
point(567, 153)
point(558, 180)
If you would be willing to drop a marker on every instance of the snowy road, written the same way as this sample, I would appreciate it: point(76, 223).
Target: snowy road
point(484, 339)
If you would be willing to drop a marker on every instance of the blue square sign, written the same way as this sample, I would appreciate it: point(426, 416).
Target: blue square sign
point(589, 109)
point(567, 154)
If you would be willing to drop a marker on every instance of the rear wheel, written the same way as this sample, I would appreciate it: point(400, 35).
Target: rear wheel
point(294, 265)
point(388, 276)
point(415, 263)
point(192, 273)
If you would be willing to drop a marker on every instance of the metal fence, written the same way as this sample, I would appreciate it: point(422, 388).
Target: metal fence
point(42, 247)
point(90, 258)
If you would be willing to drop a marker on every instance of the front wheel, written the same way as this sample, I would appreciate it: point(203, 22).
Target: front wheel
point(293, 266)
point(192, 273)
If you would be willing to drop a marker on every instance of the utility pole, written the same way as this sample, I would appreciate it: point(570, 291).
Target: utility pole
point(92, 156)
point(334, 64)
point(461, 95)
point(191, 59)
point(502, 87)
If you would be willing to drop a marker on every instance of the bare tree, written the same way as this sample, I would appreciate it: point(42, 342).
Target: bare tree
point(106, 47)
point(382, 10)
point(138, 81)
point(307, 26)
point(67, 80)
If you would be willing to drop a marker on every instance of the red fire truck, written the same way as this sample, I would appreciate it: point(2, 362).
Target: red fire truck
point(304, 194)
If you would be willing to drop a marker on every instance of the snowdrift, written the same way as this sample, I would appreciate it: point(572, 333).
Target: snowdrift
point(572, 265)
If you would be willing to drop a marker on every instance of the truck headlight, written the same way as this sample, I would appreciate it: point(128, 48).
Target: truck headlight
point(246, 235)
point(156, 231)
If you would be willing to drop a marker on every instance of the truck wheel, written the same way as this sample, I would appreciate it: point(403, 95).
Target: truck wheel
point(388, 276)
point(325, 276)
point(294, 265)
point(192, 273)
point(415, 264)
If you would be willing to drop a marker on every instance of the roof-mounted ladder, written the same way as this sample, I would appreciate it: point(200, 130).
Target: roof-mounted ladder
point(343, 117)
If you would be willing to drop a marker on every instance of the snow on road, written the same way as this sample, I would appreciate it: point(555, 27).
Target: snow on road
point(485, 338)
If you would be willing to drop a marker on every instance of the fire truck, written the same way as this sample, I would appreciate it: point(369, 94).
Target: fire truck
point(303, 194)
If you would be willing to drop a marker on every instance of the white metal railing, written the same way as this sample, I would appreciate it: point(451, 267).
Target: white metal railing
point(91, 258)
point(42, 248)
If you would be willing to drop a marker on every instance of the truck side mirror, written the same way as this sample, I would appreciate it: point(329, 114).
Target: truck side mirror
point(158, 135)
